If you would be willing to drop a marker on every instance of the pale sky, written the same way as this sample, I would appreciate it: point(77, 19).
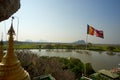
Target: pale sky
point(66, 20)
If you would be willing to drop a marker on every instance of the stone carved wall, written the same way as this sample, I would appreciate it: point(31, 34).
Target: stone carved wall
point(7, 8)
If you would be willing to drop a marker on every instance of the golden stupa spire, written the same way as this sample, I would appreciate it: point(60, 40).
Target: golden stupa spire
point(10, 57)
point(10, 68)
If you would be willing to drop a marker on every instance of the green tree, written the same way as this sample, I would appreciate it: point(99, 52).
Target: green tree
point(110, 48)
point(89, 69)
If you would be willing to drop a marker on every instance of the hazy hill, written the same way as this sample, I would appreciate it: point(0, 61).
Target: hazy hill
point(79, 42)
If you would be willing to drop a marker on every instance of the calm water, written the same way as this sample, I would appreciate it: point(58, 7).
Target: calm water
point(99, 60)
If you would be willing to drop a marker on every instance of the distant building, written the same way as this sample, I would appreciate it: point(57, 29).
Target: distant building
point(105, 74)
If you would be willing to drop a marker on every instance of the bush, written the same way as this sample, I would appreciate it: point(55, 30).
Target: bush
point(110, 48)
point(89, 69)
point(37, 66)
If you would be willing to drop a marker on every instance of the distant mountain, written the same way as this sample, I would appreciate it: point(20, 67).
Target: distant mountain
point(79, 42)
point(42, 41)
point(28, 40)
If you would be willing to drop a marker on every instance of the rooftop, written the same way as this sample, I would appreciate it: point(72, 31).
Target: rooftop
point(109, 74)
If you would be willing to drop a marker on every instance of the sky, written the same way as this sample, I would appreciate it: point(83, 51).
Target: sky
point(65, 20)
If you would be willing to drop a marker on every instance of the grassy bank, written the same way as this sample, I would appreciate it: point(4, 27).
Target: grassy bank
point(94, 47)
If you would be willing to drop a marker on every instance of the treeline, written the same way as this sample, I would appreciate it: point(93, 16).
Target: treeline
point(90, 46)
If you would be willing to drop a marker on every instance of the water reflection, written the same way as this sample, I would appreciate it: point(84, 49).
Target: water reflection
point(99, 60)
point(81, 52)
point(118, 54)
point(100, 52)
point(110, 53)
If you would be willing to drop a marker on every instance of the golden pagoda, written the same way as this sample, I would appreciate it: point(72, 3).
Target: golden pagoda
point(10, 67)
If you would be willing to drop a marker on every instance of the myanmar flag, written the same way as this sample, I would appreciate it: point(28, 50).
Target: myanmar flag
point(99, 33)
point(90, 30)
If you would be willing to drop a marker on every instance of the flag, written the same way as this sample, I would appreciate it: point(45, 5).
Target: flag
point(90, 30)
point(99, 33)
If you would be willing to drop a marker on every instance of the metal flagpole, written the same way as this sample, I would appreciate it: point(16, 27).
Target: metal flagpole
point(5, 30)
point(17, 26)
point(87, 36)
point(86, 41)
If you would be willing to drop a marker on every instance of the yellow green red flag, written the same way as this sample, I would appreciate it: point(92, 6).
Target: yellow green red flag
point(90, 30)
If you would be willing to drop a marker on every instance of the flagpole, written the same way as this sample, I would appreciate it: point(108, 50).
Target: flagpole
point(86, 41)
point(87, 35)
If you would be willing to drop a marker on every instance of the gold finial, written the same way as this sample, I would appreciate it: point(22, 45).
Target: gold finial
point(11, 30)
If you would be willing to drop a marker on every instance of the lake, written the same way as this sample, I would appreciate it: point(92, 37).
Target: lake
point(99, 60)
